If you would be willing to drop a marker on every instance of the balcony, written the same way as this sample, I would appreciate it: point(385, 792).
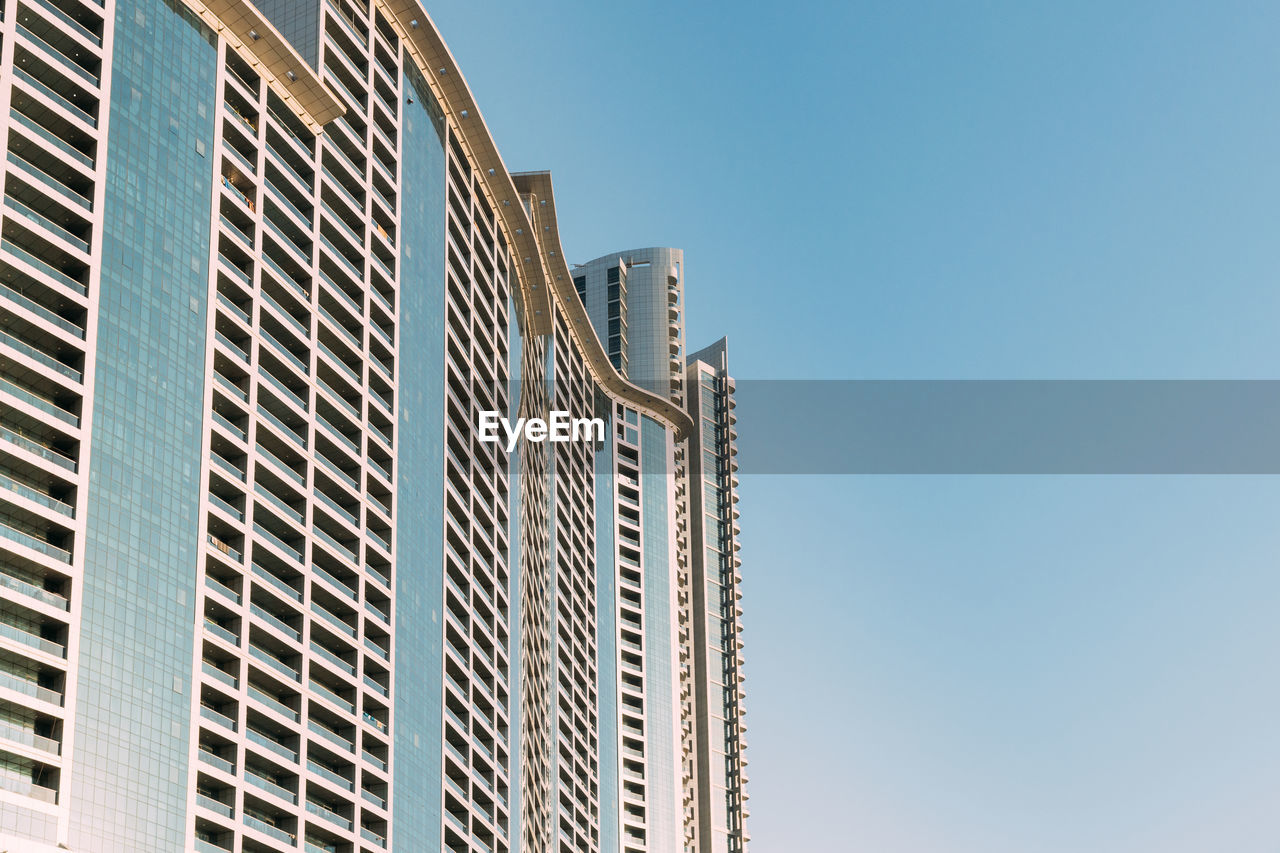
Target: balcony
point(338, 362)
point(287, 279)
point(204, 845)
point(29, 172)
point(329, 814)
point(338, 472)
point(331, 736)
point(276, 583)
point(30, 305)
point(219, 675)
point(273, 704)
point(279, 158)
point(216, 716)
point(284, 468)
point(293, 140)
point(303, 329)
point(235, 349)
point(335, 396)
point(272, 745)
point(374, 761)
point(51, 138)
point(28, 737)
point(227, 424)
point(343, 162)
point(275, 622)
point(230, 267)
point(28, 788)
point(384, 692)
point(371, 720)
point(278, 503)
point(222, 589)
point(335, 584)
point(331, 658)
point(299, 438)
point(44, 499)
point(260, 654)
point(356, 273)
point(275, 540)
point(268, 828)
point(244, 122)
point(263, 783)
point(73, 110)
point(335, 621)
point(348, 26)
point(224, 464)
point(221, 633)
point(45, 224)
point(30, 688)
point(335, 80)
point(285, 353)
point(239, 233)
point(342, 295)
point(31, 590)
point(216, 806)
point(42, 546)
point(299, 254)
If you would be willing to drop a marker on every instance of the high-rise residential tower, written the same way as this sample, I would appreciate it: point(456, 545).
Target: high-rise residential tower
point(715, 573)
point(634, 301)
point(262, 585)
point(677, 621)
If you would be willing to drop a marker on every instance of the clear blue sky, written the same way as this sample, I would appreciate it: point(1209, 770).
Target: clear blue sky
point(981, 190)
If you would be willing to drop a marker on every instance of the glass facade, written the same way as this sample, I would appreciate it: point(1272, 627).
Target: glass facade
point(660, 654)
point(299, 22)
point(134, 701)
point(263, 572)
point(420, 570)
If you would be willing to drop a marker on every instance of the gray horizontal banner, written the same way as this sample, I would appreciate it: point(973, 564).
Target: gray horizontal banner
point(1008, 427)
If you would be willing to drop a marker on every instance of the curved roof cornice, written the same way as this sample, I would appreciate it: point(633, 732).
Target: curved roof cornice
point(271, 54)
point(537, 185)
point(534, 237)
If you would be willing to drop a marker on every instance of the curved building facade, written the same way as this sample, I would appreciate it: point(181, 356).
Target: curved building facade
point(262, 588)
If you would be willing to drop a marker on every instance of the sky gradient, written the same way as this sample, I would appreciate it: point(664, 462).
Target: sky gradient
point(943, 191)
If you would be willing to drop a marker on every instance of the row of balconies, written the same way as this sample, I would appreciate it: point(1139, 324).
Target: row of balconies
point(335, 600)
point(282, 417)
point(481, 542)
point(272, 760)
point(283, 427)
point(258, 621)
point(34, 630)
point(57, 57)
point(289, 196)
point(292, 277)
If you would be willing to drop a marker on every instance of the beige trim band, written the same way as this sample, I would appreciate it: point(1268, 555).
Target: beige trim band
point(535, 242)
point(271, 55)
point(537, 185)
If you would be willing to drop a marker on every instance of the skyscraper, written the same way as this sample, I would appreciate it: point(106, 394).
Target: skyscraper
point(677, 609)
point(262, 586)
point(715, 573)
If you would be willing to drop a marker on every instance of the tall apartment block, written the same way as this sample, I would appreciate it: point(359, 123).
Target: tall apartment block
point(677, 620)
point(262, 587)
point(715, 574)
